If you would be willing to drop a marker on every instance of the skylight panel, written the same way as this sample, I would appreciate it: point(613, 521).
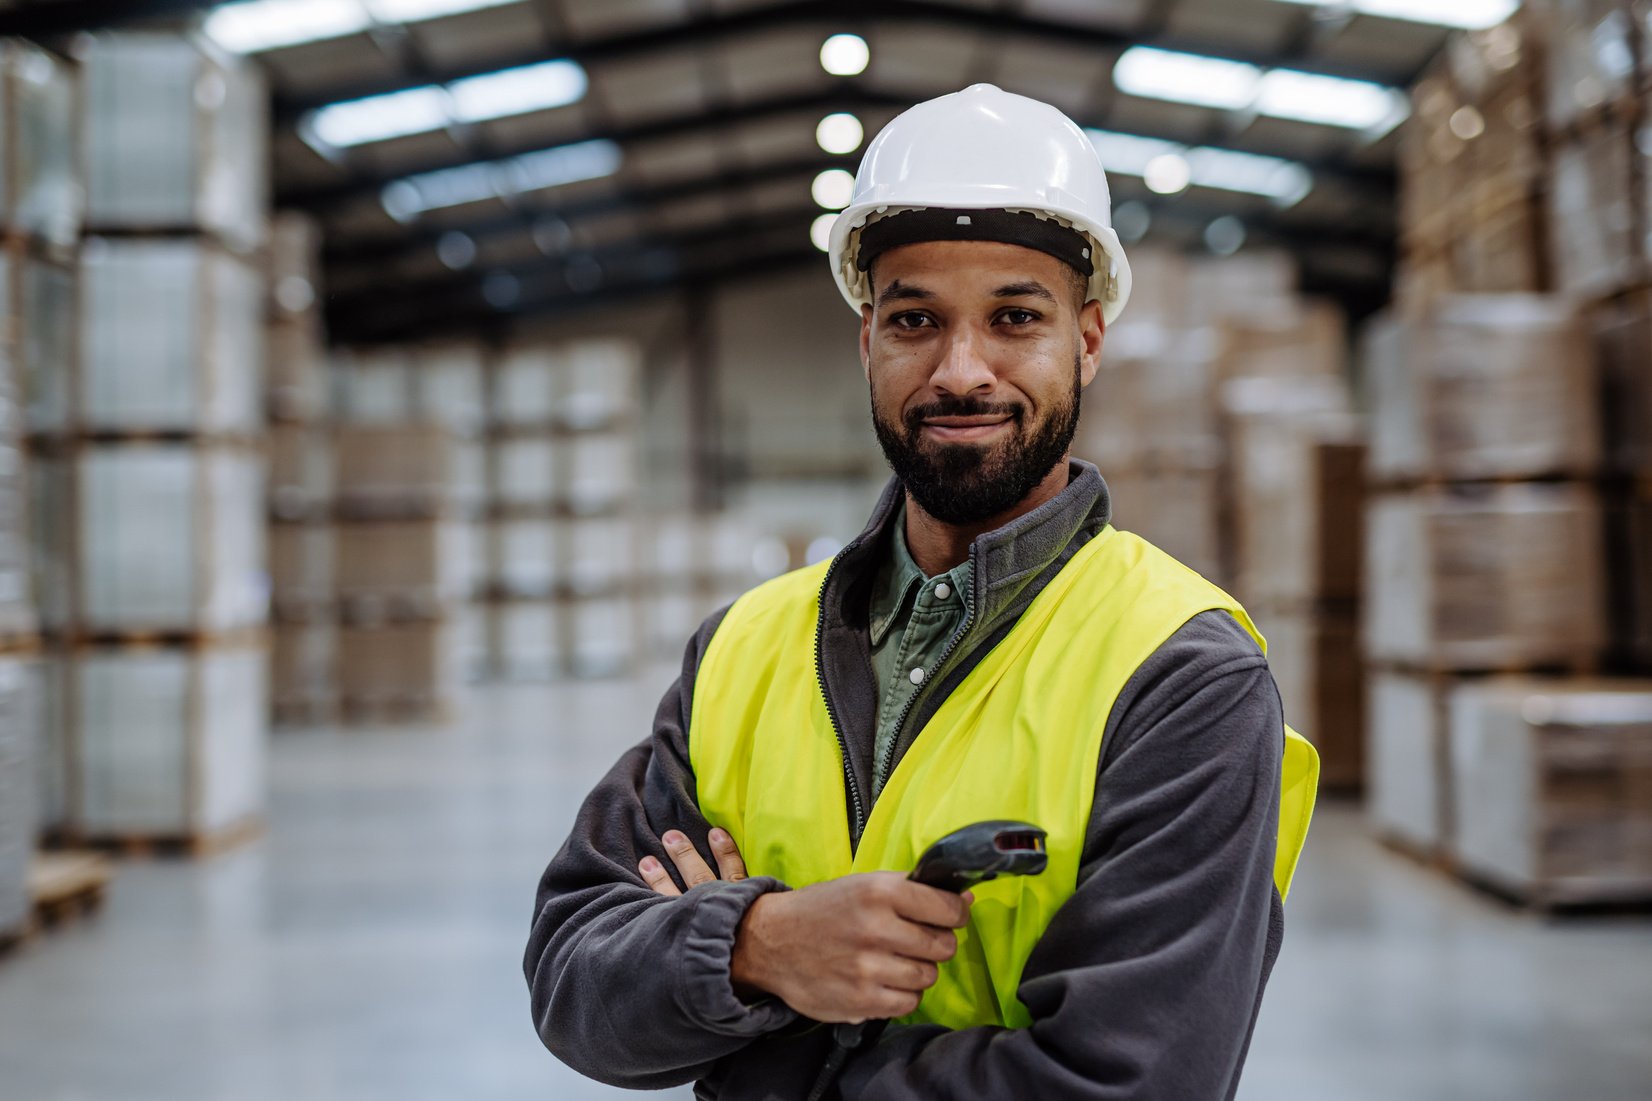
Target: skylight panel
point(407, 198)
point(1468, 15)
point(1286, 182)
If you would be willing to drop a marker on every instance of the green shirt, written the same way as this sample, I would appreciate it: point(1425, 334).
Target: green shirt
point(913, 617)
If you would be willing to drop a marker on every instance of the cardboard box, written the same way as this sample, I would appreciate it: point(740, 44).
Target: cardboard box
point(304, 667)
point(1407, 767)
point(174, 138)
point(1495, 577)
point(1306, 339)
point(168, 743)
point(525, 472)
point(1593, 216)
point(1623, 348)
point(1316, 662)
point(1552, 786)
point(395, 569)
point(169, 537)
point(1589, 50)
point(17, 613)
point(47, 685)
point(172, 337)
point(294, 268)
point(300, 458)
point(47, 338)
point(17, 793)
point(395, 470)
point(374, 387)
point(449, 386)
point(1483, 386)
point(601, 553)
point(1178, 511)
point(599, 382)
point(399, 665)
point(301, 560)
point(600, 470)
point(525, 385)
point(603, 635)
point(527, 640)
point(527, 557)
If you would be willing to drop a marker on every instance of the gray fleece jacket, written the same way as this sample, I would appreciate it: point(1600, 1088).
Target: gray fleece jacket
point(1146, 984)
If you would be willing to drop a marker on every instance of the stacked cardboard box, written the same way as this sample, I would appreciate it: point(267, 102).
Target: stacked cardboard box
point(299, 453)
point(694, 564)
point(146, 409)
point(399, 571)
point(564, 562)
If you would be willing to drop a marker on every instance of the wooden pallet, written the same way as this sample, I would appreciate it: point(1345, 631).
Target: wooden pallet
point(188, 845)
point(61, 886)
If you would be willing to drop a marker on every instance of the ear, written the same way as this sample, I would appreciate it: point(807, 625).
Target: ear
point(866, 341)
point(1092, 330)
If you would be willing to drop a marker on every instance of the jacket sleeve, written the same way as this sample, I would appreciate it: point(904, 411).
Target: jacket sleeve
point(1147, 982)
point(628, 986)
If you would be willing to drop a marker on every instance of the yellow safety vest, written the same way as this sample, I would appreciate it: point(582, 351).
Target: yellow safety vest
point(1019, 738)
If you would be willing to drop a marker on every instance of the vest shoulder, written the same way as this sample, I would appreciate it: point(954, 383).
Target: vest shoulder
point(794, 591)
point(1159, 564)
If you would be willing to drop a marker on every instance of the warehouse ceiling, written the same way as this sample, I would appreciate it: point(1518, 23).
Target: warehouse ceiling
point(675, 144)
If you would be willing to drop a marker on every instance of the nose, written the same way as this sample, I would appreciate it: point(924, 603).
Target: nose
point(963, 368)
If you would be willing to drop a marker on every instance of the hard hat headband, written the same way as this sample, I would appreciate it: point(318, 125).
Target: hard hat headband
point(1010, 227)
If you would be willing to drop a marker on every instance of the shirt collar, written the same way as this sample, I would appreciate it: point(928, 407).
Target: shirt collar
point(899, 574)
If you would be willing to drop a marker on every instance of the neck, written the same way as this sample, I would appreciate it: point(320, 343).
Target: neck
point(937, 546)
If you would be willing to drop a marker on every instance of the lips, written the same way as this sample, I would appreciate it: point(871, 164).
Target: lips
point(978, 421)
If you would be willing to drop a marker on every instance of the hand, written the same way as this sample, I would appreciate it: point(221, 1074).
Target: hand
point(690, 866)
point(852, 949)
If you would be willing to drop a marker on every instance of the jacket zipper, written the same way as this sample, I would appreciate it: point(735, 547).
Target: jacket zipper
point(831, 710)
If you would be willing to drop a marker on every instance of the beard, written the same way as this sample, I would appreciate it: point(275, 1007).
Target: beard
point(967, 483)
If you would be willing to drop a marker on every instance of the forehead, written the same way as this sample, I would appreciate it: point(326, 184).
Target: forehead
point(965, 266)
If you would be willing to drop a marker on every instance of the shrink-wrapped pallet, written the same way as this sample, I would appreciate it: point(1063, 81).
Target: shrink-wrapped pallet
point(670, 618)
point(17, 613)
point(174, 138)
point(168, 743)
point(1178, 511)
point(1316, 662)
point(296, 383)
point(172, 338)
point(300, 471)
point(40, 192)
point(303, 663)
point(1486, 577)
point(51, 528)
point(600, 553)
point(46, 339)
point(301, 558)
point(599, 470)
point(394, 470)
point(673, 548)
point(1157, 410)
point(527, 639)
point(1552, 788)
point(169, 538)
point(449, 387)
point(470, 627)
point(1298, 497)
point(1243, 285)
point(603, 635)
point(525, 385)
point(392, 569)
point(1592, 215)
point(1407, 782)
point(526, 472)
point(395, 669)
point(17, 792)
point(374, 386)
point(1482, 386)
point(526, 557)
point(598, 382)
point(47, 685)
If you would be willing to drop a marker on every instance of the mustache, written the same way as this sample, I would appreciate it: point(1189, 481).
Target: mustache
point(963, 407)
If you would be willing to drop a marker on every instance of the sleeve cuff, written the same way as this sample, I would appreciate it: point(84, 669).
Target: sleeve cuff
point(706, 992)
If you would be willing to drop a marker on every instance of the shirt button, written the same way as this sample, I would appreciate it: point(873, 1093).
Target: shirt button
point(943, 591)
point(916, 676)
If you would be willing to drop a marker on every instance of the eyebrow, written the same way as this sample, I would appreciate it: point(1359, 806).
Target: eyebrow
point(1029, 289)
point(903, 292)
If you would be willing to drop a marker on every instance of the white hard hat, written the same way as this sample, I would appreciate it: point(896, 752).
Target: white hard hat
point(984, 149)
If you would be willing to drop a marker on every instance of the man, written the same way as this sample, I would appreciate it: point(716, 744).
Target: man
point(989, 647)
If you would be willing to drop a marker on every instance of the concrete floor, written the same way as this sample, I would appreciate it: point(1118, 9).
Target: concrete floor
point(369, 948)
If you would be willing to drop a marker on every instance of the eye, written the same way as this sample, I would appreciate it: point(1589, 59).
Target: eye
point(1015, 315)
point(910, 319)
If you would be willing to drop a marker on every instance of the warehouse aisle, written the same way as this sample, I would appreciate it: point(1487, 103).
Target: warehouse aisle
point(369, 948)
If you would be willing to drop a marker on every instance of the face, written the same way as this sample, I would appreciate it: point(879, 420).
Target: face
point(976, 352)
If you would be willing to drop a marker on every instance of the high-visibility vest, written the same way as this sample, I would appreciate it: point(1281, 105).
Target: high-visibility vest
point(1019, 738)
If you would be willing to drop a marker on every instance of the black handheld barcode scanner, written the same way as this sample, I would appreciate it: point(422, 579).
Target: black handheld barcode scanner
point(957, 862)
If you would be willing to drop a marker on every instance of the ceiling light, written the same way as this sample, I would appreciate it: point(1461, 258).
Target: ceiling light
point(845, 55)
point(1332, 101)
point(456, 250)
point(1131, 221)
point(507, 92)
point(1186, 78)
point(1279, 93)
point(820, 231)
point(379, 118)
point(565, 164)
point(1467, 123)
point(1469, 15)
point(501, 289)
point(1168, 173)
point(839, 133)
point(833, 188)
point(1286, 182)
point(253, 26)
point(1225, 235)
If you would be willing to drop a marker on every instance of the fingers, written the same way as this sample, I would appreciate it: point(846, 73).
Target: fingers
point(690, 865)
point(922, 942)
point(931, 905)
point(655, 875)
point(730, 865)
